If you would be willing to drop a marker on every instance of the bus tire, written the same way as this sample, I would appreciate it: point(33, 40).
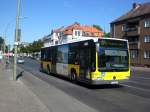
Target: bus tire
point(73, 77)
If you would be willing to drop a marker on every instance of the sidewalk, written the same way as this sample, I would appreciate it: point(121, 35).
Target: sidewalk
point(30, 94)
point(15, 96)
point(140, 69)
point(53, 98)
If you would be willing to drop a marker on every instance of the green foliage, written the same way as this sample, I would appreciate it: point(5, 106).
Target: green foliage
point(31, 48)
point(98, 27)
point(106, 34)
point(6, 49)
point(13, 50)
point(1, 43)
point(1, 40)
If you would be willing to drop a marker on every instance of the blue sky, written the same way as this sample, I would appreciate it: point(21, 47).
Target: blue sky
point(39, 17)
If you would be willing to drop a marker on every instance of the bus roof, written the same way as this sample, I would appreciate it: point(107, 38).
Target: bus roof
point(95, 39)
point(113, 38)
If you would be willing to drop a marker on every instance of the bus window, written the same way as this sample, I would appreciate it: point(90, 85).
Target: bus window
point(74, 54)
point(113, 55)
point(62, 54)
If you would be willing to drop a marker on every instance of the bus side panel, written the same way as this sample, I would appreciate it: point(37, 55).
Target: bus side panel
point(62, 69)
point(62, 60)
point(53, 68)
point(46, 65)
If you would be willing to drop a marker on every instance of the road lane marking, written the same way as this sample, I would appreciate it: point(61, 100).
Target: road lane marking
point(135, 87)
point(139, 83)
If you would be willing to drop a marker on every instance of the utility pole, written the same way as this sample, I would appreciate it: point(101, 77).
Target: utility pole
point(16, 41)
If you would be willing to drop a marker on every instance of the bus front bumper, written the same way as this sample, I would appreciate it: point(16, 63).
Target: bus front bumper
point(101, 82)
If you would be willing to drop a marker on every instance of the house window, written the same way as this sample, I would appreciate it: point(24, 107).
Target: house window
point(76, 33)
point(124, 27)
point(147, 38)
point(83, 33)
point(56, 42)
point(134, 54)
point(147, 23)
point(146, 54)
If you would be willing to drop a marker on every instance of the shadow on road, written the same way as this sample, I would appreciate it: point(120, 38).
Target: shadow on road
point(81, 84)
point(101, 86)
point(19, 75)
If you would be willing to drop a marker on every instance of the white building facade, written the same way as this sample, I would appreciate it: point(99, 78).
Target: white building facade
point(69, 34)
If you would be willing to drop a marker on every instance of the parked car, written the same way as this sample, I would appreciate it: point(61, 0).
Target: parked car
point(20, 60)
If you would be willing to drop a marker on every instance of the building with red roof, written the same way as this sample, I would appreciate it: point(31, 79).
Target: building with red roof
point(71, 32)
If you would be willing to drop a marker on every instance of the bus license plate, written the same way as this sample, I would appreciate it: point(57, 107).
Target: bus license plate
point(114, 82)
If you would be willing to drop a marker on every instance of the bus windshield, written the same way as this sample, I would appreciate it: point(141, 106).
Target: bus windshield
point(113, 58)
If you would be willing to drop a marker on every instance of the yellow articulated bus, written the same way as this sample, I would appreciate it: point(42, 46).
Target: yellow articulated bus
point(93, 61)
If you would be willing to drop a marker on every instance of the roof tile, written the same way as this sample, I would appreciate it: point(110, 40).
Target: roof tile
point(135, 12)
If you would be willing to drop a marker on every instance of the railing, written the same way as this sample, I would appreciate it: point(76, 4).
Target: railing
point(134, 44)
point(132, 30)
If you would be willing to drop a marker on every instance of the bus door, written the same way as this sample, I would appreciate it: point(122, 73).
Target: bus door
point(84, 59)
point(53, 60)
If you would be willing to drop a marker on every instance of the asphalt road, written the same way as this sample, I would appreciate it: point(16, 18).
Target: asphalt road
point(133, 96)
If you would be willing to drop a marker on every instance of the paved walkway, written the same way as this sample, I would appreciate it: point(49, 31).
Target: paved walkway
point(15, 96)
point(30, 94)
point(140, 69)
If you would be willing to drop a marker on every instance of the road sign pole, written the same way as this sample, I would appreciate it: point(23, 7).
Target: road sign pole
point(16, 41)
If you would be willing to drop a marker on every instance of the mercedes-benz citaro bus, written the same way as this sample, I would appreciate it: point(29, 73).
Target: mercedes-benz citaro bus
point(92, 60)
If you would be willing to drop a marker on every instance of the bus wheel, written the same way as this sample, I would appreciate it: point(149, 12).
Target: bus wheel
point(73, 77)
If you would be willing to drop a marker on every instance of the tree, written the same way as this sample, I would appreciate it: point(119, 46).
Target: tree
point(33, 47)
point(1, 40)
point(1, 43)
point(6, 48)
point(23, 49)
point(107, 34)
point(98, 27)
point(13, 50)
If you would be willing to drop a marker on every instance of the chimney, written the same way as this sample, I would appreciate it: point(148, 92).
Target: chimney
point(136, 5)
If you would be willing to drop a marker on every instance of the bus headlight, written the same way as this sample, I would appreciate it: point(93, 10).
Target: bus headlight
point(98, 78)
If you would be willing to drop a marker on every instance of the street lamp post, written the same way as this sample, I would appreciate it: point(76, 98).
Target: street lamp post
point(16, 40)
